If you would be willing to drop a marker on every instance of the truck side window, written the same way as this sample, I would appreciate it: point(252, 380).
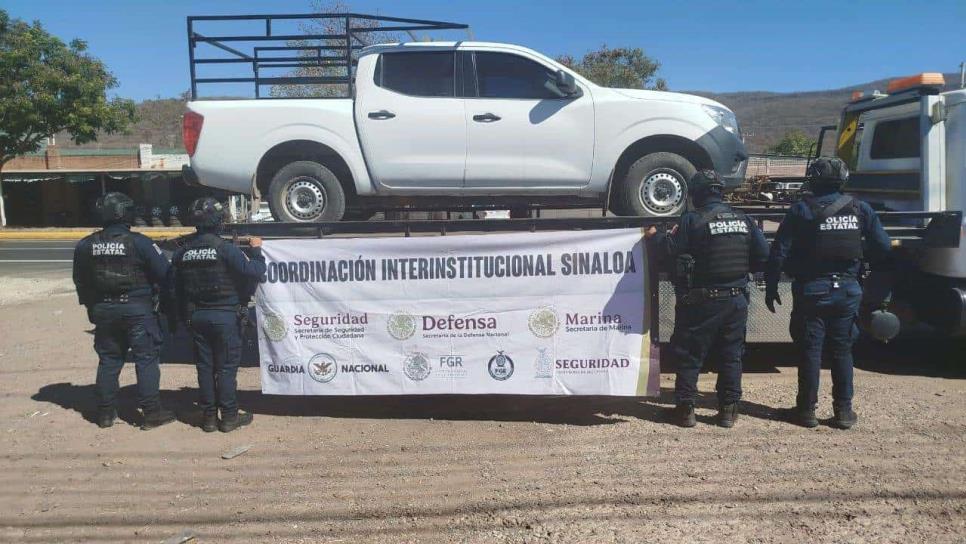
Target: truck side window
point(417, 74)
point(502, 75)
point(896, 139)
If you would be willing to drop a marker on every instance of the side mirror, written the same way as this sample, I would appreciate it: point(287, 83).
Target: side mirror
point(566, 83)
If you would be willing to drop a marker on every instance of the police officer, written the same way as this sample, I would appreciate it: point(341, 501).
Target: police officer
point(714, 248)
point(213, 281)
point(820, 245)
point(118, 274)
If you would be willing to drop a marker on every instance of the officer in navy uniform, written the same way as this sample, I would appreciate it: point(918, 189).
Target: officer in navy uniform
point(118, 274)
point(213, 281)
point(820, 245)
point(714, 248)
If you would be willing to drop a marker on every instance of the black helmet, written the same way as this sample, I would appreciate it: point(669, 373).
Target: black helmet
point(704, 183)
point(115, 208)
point(207, 212)
point(827, 170)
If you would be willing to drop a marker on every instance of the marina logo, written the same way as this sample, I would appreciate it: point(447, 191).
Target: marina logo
point(544, 364)
point(500, 366)
point(416, 367)
point(322, 367)
point(274, 327)
point(401, 325)
point(543, 322)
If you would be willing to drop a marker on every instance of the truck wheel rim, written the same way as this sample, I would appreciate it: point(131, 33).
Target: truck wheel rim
point(305, 199)
point(662, 192)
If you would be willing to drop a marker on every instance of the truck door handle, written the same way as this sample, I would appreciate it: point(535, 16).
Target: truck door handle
point(381, 115)
point(486, 118)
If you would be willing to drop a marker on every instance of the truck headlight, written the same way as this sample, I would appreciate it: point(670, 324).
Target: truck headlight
point(724, 117)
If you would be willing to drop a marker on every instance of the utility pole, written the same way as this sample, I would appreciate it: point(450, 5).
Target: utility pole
point(962, 75)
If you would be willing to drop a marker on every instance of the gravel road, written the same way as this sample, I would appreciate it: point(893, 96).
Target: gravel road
point(477, 469)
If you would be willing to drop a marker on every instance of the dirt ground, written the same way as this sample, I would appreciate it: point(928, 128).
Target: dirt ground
point(477, 469)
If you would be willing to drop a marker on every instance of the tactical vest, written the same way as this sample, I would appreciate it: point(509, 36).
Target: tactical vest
point(205, 276)
point(721, 246)
point(837, 231)
point(116, 268)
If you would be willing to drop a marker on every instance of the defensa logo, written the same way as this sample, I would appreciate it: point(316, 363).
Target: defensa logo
point(416, 367)
point(274, 327)
point(323, 367)
point(108, 248)
point(401, 325)
point(840, 222)
point(730, 226)
point(543, 322)
point(500, 366)
point(453, 323)
point(200, 254)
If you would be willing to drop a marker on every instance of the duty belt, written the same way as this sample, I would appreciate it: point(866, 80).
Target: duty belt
point(116, 299)
point(713, 293)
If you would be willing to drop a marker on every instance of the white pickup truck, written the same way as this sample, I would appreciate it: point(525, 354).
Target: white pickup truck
point(459, 124)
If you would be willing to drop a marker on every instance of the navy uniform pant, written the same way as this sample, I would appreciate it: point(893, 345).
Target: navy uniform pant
point(824, 320)
point(117, 329)
point(709, 329)
point(218, 348)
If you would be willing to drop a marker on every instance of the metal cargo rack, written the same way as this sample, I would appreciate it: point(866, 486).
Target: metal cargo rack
point(283, 51)
point(908, 230)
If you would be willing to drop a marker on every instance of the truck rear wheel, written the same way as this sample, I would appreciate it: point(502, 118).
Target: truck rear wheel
point(655, 185)
point(306, 192)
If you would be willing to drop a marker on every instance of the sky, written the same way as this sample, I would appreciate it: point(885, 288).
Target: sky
point(788, 45)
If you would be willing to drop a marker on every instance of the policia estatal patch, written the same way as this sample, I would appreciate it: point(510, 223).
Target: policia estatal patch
point(728, 226)
point(114, 249)
point(840, 222)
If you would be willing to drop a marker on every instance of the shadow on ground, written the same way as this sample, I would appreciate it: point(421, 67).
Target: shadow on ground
point(584, 410)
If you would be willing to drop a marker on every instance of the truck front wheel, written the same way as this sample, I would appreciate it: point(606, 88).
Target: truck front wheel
point(306, 192)
point(655, 185)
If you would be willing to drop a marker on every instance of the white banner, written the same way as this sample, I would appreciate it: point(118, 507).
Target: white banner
point(561, 313)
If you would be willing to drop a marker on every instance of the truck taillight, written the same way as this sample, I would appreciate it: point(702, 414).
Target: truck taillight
point(191, 130)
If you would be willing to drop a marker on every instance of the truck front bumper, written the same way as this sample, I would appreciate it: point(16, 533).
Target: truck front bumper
point(727, 154)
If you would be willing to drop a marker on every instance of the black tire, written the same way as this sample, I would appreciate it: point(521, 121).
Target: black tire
point(319, 196)
point(656, 185)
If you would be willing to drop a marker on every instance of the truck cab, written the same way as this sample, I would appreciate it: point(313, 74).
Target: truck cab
point(907, 153)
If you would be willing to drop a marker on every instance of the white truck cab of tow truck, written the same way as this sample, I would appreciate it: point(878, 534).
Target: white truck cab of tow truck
point(907, 152)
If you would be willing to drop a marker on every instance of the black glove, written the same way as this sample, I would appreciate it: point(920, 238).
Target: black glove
point(771, 297)
point(90, 314)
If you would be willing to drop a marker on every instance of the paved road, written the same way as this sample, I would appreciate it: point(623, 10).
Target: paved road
point(32, 257)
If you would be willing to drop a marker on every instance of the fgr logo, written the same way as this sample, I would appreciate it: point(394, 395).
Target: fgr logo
point(451, 361)
point(323, 367)
point(500, 366)
point(417, 367)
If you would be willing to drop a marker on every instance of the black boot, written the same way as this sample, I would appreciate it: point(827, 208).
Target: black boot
point(805, 416)
point(154, 418)
point(106, 417)
point(233, 421)
point(727, 415)
point(684, 415)
point(209, 422)
point(845, 417)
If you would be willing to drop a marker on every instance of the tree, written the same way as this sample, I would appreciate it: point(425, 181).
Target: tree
point(49, 87)
point(795, 143)
point(329, 27)
point(622, 67)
